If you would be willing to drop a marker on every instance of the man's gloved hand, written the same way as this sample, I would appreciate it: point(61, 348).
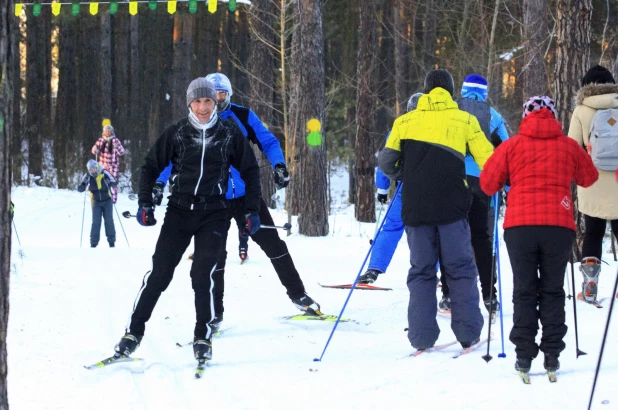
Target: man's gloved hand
point(145, 215)
point(281, 176)
point(253, 223)
point(382, 195)
point(157, 192)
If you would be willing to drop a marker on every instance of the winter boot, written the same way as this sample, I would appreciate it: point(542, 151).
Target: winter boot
point(445, 304)
point(495, 305)
point(216, 323)
point(466, 345)
point(369, 277)
point(306, 304)
point(242, 254)
point(202, 348)
point(551, 362)
point(523, 364)
point(127, 345)
point(590, 268)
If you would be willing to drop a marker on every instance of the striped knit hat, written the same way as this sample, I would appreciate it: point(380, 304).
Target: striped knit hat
point(474, 83)
point(537, 102)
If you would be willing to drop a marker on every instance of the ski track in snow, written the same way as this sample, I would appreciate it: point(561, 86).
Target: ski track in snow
point(69, 306)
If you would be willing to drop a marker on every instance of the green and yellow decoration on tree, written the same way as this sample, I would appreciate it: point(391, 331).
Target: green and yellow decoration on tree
point(93, 6)
point(314, 137)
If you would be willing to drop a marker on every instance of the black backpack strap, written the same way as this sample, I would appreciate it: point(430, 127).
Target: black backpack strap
point(242, 113)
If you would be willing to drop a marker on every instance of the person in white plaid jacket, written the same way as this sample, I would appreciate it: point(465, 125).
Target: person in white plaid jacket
point(108, 150)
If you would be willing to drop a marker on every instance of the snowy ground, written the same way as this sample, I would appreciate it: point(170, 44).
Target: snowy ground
point(69, 306)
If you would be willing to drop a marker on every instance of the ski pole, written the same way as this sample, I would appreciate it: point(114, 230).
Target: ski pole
point(497, 241)
point(487, 357)
point(15, 229)
point(81, 236)
point(609, 317)
point(577, 351)
point(377, 223)
point(356, 279)
point(119, 221)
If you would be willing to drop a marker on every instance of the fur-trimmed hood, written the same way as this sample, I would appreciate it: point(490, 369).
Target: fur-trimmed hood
point(592, 90)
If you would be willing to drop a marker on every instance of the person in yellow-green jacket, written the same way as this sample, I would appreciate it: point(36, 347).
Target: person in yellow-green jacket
point(426, 151)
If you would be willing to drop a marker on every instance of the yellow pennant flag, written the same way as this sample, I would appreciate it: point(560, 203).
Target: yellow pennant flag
point(133, 8)
point(56, 8)
point(94, 8)
point(212, 6)
point(171, 6)
point(18, 8)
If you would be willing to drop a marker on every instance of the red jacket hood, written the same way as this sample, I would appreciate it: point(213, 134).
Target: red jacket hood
point(540, 124)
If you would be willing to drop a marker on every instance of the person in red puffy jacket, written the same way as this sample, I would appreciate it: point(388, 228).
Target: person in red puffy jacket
point(539, 228)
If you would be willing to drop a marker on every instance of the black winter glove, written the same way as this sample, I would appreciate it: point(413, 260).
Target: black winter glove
point(84, 184)
point(253, 223)
point(145, 215)
point(281, 176)
point(382, 198)
point(157, 192)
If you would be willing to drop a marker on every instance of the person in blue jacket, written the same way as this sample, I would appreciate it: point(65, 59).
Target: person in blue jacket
point(267, 239)
point(474, 93)
point(392, 230)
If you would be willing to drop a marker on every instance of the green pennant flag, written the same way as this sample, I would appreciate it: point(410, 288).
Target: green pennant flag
point(232, 5)
point(113, 7)
point(74, 9)
point(36, 9)
point(152, 4)
point(192, 6)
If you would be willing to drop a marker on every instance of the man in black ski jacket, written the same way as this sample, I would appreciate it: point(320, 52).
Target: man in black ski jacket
point(201, 148)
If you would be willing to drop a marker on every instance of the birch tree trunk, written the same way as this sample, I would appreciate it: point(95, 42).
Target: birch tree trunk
point(261, 81)
point(309, 94)
point(7, 23)
point(536, 36)
point(572, 61)
point(364, 209)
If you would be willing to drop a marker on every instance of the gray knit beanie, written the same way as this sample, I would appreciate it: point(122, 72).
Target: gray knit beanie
point(413, 101)
point(200, 88)
point(439, 78)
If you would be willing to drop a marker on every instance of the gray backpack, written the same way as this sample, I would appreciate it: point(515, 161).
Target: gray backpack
point(603, 139)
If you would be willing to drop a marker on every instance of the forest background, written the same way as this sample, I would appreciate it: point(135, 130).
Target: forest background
point(352, 64)
point(348, 66)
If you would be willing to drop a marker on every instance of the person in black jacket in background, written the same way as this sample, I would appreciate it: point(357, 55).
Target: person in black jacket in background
point(201, 148)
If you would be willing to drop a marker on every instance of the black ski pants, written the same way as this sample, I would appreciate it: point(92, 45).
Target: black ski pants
point(271, 244)
point(208, 229)
point(539, 256)
point(594, 234)
point(478, 218)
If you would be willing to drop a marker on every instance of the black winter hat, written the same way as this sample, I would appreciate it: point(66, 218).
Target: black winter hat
point(599, 75)
point(439, 78)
